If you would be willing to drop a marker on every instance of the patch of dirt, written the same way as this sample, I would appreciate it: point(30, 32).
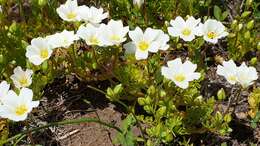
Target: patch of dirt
point(67, 99)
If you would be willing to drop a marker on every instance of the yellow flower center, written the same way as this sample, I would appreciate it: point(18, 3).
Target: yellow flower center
point(115, 38)
point(232, 78)
point(143, 45)
point(44, 53)
point(93, 40)
point(212, 35)
point(179, 77)
point(71, 15)
point(21, 109)
point(23, 81)
point(186, 31)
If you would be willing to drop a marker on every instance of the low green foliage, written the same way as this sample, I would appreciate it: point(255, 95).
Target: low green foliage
point(158, 107)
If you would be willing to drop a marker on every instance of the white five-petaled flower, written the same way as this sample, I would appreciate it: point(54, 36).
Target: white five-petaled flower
point(92, 15)
point(184, 29)
point(143, 42)
point(229, 71)
point(4, 88)
point(114, 32)
point(243, 74)
point(22, 78)
point(91, 35)
point(163, 39)
point(246, 75)
point(63, 39)
point(69, 11)
point(212, 30)
point(17, 107)
point(180, 73)
point(139, 3)
point(38, 51)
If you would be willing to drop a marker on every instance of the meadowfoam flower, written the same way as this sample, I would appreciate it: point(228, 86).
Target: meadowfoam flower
point(180, 73)
point(63, 39)
point(22, 78)
point(212, 30)
point(4, 88)
point(142, 42)
point(184, 29)
point(17, 107)
point(162, 39)
point(229, 71)
point(92, 15)
point(243, 74)
point(91, 35)
point(38, 51)
point(114, 33)
point(246, 75)
point(139, 3)
point(69, 11)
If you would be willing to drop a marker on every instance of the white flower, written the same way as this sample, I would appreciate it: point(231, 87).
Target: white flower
point(246, 75)
point(69, 11)
point(4, 88)
point(143, 42)
point(114, 33)
point(229, 71)
point(184, 29)
point(91, 34)
point(92, 15)
point(17, 107)
point(162, 39)
point(63, 39)
point(180, 73)
point(243, 74)
point(22, 78)
point(38, 51)
point(212, 30)
point(139, 3)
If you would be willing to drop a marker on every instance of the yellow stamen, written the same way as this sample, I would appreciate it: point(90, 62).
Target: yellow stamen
point(115, 38)
point(21, 109)
point(179, 77)
point(143, 45)
point(71, 15)
point(93, 40)
point(23, 81)
point(212, 35)
point(44, 53)
point(232, 78)
point(186, 31)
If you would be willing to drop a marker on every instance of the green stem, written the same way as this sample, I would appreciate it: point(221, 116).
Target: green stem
point(66, 122)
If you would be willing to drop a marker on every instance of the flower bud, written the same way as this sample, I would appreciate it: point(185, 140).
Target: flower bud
point(250, 25)
point(234, 24)
point(221, 94)
point(42, 2)
point(247, 35)
point(258, 46)
point(249, 3)
point(253, 61)
point(240, 26)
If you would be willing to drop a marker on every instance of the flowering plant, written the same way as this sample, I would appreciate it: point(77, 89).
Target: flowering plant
point(156, 57)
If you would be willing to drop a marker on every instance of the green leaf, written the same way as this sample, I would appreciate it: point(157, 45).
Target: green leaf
point(217, 12)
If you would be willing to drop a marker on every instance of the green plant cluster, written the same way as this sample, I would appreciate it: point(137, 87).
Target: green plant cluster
point(162, 111)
